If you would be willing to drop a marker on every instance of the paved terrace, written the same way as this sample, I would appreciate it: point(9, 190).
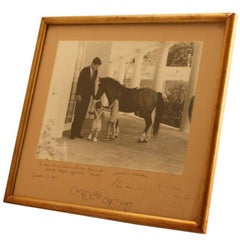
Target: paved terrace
point(164, 153)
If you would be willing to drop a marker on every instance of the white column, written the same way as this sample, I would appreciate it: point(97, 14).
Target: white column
point(185, 125)
point(135, 81)
point(110, 69)
point(159, 75)
point(122, 65)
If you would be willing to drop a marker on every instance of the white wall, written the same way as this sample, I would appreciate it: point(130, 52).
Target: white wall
point(98, 49)
point(19, 21)
point(61, 83)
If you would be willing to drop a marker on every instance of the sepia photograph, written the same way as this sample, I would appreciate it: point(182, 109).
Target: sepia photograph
point(123, 104)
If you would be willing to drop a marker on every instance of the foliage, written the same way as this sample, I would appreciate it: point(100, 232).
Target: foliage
point(174, 92)
point(180, 55)
point(48, 146)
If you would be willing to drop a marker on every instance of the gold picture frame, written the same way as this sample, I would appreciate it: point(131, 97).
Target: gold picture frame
point(175, 198)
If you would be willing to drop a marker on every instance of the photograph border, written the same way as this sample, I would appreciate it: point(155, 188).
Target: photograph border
point(200, 225)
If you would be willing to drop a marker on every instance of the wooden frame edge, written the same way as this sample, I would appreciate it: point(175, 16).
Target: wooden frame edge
point(223, 75)
point(128, 19)
point(26, 110)
point(185, 225)
point(133, 218)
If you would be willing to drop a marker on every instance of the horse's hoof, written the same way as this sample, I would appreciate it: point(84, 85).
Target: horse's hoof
point(142, 141)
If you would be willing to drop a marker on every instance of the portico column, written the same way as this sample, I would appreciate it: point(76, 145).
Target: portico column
point(158, 79)
point(110, 69)
point(122, 65)
point(185, 124)
point(135, 81)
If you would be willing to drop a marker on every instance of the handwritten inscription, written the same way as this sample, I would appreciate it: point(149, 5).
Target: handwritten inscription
point(109, 202)
point(53, 171)
point(141, 186)
point(171, 189)
point(146, 186)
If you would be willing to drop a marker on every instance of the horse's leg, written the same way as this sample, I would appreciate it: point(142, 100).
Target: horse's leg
point(148, 122)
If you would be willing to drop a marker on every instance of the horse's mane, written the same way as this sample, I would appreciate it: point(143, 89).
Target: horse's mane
point(117, 84)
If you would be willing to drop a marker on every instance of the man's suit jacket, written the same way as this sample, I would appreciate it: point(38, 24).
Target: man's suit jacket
point(86, 83)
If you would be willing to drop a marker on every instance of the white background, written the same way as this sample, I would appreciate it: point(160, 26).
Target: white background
point(19, 25)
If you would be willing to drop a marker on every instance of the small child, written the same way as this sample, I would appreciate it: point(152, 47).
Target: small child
point(112, 125)
point(96, 122)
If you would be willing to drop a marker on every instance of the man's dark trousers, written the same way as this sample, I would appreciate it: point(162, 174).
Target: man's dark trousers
point(79, 115)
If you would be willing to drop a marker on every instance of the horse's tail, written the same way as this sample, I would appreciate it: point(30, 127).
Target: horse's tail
point(158, 115)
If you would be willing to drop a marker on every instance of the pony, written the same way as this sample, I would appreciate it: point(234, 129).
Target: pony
point(141, 101)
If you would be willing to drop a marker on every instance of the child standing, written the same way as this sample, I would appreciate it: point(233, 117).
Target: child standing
point(112, 129)
point(96, 122)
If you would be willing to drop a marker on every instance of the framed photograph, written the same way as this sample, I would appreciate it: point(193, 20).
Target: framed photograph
point(122, 116)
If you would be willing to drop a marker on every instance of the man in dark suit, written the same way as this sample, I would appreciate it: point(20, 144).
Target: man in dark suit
point(85, 89)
